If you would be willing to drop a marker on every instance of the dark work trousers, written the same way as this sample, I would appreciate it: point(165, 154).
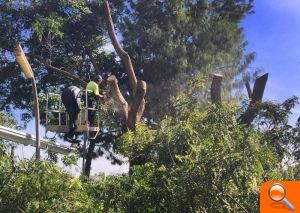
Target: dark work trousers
point(90, 104)
point(71, 99)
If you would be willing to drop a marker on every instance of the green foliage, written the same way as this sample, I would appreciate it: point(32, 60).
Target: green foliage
point(148, 189)
point(45, 24)
point(66, 35)
point(134, 143)
point(273, 121)
point(70, 160)
point(196, 161)
point(174, 42)
point(40, 187)
point(205, 160)
point(7, 119)
point(69, 35)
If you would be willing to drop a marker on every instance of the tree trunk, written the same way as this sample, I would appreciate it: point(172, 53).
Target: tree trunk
point(13, 158)
point(216, 88)
point(259, 88)
point(89, 158)
point(132, 112)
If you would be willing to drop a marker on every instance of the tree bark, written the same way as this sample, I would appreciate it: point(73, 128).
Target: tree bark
point(248, 89)
point(216, 88)
point(121, 53)
point(89, 157)
point(136, 107)
point(119, 100)
point(258, 90)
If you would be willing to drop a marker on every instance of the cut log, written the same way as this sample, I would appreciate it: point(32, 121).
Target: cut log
point(256, 97)
point(216, 88)
point(259, 88)
point(249, 91)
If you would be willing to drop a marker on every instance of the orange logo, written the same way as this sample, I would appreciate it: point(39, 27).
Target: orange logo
point(280, 196)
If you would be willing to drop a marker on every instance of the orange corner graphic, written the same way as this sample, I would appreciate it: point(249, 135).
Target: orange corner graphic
point(280, 197)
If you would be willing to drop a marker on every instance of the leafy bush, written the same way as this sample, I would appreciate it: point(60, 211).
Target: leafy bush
point(201, 161)
point(40, 187)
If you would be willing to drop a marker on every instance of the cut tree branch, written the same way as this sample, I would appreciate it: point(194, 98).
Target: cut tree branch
point(116, 95)
point(216, 88)
point(248, 89)
point(256, 97)
point(259, 88)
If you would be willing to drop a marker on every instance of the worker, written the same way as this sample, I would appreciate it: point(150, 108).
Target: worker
point(93, 94)
point(71, 97)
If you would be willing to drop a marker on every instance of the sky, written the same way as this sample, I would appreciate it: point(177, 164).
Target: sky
point(273, 34)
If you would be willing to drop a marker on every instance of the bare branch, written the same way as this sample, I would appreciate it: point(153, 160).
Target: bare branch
point(66, 73)
point(122, 54)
